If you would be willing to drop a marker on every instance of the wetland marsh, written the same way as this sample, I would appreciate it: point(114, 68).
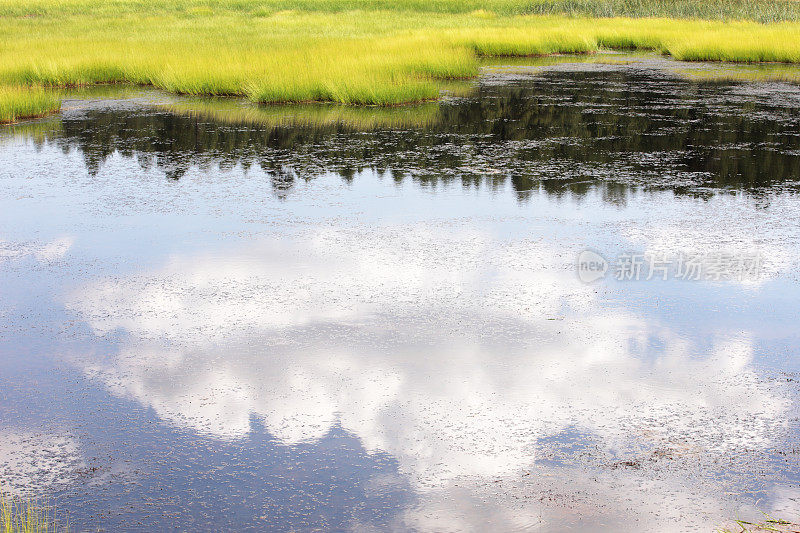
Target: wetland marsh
point(216, 315)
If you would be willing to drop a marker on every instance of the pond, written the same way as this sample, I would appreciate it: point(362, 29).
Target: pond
point(563, 298)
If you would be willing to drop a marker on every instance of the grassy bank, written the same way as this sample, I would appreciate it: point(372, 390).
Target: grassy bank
point(350, 51)
point(26, 102)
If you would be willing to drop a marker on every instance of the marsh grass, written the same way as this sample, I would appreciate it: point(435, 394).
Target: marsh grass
point(364, 52)
point(28, 516)
point(26, 102)
point(764, 11)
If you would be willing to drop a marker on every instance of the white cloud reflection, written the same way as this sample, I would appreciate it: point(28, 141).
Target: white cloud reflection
point(43, 253)
point(451, 350)
point(736, 227)
point(31, 460)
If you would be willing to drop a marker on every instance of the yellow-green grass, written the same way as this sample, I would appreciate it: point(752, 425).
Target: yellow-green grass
point(27, 516)
point(25, 102)
point(345, 51)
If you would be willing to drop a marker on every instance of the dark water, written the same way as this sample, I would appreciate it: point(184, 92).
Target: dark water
point(217, 317)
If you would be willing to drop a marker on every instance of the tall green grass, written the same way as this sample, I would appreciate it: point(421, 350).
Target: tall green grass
point(27, 516)
point(346, 51)
point(25, 102)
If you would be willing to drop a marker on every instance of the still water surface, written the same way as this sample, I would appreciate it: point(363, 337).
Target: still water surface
point(220, 317)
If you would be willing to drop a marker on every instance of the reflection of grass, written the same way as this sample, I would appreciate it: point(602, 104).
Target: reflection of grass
point(350, 51)
point(772, 72)
point(19, 516)
point(25, 102)
point(316, 115)
point(510, 62)
point(36, 130)
point(92, 92)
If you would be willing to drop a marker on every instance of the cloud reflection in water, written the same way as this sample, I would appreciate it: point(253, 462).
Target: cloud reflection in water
point(453, 350)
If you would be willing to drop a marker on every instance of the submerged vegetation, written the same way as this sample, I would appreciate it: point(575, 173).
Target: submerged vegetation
point(768, 524)
point(351, 51)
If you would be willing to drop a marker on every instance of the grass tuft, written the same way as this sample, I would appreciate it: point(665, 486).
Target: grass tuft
point(18, 103)
point(27, 516)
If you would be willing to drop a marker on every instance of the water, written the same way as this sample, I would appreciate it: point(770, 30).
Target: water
point(215, 316)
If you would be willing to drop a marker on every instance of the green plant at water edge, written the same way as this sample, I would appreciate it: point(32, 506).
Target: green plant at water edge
point(26, 102)
point(28, 516)
point(768, 524)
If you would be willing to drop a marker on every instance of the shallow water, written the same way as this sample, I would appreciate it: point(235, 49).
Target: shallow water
point(215, 316)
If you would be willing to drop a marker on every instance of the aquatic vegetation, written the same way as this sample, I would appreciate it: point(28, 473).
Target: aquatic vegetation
point(768, 524)
point(348, 51)
point(27, 516)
